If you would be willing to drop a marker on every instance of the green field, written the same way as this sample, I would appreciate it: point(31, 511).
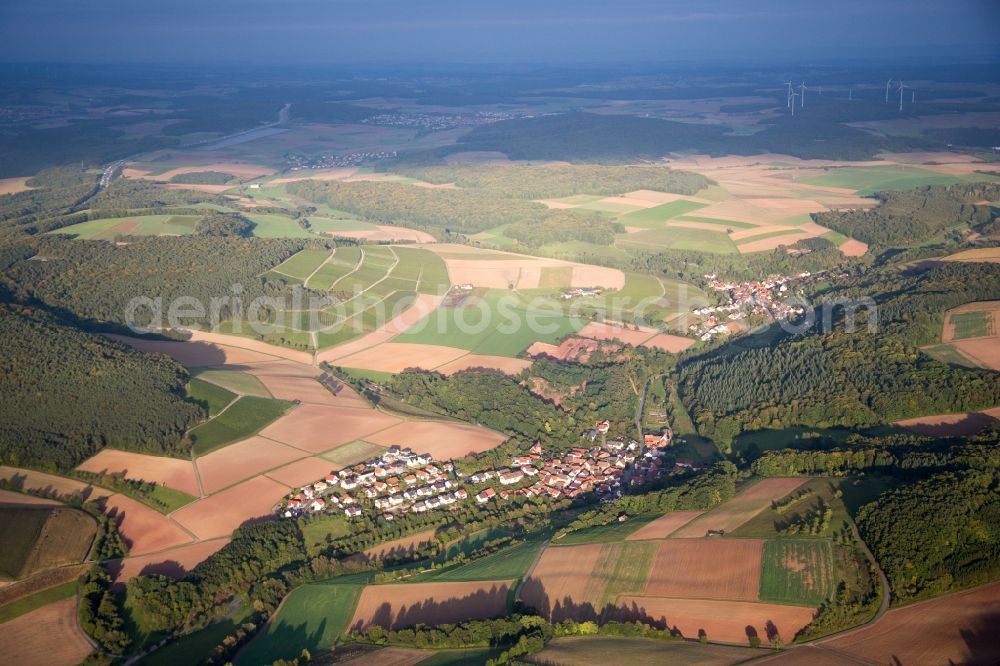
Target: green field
point(947, 353)
point(508, 564)
point(797, 571)
point(483, 328)
point(678, 238)
point(330, 225)
point(144, 225)
point(605, 650)
point(770, 234)
point(972, 324)
point(653, 217)
point(311, 617)
point(21, 528)
point(725, 224)
point(318, 529)
point(35, 601)
point(352, 452)
point(211, 397)
point(301, 264)
point(233, 380)
point(624, 566)
point(192, 648)
point(277, 226)
point(243, 418)
point(471, 657)
point(867, 180)
point(612, 532)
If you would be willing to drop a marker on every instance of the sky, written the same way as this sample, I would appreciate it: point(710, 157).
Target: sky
point(327, 32)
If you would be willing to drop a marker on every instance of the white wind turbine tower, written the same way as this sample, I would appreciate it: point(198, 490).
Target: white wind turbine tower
point(901, 87)
point(802, 94)
point(887, 84)
point(788, 96)
point(792, 100)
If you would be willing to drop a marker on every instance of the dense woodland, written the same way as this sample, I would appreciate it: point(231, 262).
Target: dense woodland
point(913, 217)
point(843, 378)
point(86, 392)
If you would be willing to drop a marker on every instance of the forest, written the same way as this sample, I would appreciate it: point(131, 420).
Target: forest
point(87, 392)
point(914, 217)
point(842, 378)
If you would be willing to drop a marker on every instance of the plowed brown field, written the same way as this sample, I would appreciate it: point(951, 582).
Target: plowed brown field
point(707, 569)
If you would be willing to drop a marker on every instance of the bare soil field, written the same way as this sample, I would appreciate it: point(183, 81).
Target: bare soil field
point(852, 248)
point(398, 356)
point(400, 547)
point(301, 472)
point(242, 460)
point(505, 364)
point(669, 343)
point(338, 173)
point(808, 655)
point(174, 562)
point(952, 425)
point(725, 621)
point(33, 480)
point(9, 497)
point(317, 428)
point(292, 381)
point(14, 185)
point(47, 636)
point(395, 606)
point(772, 242)
point(195, 354)
point(560, 581)
point(663, 526)
point(984, 351)
point(441, 440)
point(238, 169)
point(144, 529)
point(707, 569)
point(741, 508)
point(572, 348)
point(602, 331)
point(220, 514)
point(169, 472)
point(499, 270)
point(957, 628)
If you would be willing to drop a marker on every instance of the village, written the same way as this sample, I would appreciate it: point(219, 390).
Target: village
point(297, 162)
point(749, 303)
point(435, 122)
point(402, 481)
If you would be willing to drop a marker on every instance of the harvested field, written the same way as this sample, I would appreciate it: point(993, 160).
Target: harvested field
point(669, 343)
point(47, 636)
point(605, 650)
point(242, 460)
point(14, 185)
point(772, 242)
point(248, 344)
point(560, 582)
point(494, 269)
point(663, 526)
point(441, 440)
point(223, 512)
point(400, 547)
point(600, 331)
point(32, 480)
point(402, 605)
point(741, 508)
point(983, 351)
point(421, 307)
point(290, 381)
point(195, 354)
point(971, 320)
point(725, 621)
point(853, 248)
point(707, 569)
point(174, 562)
point(505, 364)
point(39, 538)
point(989, 255)
point(317, 174)
point(301, 472)
point(386, 234)
point(144, 529)
point(238, 169)
point(398, 356)
point(391, 656)
point(164, 471)
point(317, 428)
point(952, 425)
point(9, 497)
point(957, 628)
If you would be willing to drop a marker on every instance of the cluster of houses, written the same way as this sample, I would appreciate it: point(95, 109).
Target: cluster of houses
point(746, 300)
point(402, 481)
point(298, 161)
point(581, 291)
point(435, 122)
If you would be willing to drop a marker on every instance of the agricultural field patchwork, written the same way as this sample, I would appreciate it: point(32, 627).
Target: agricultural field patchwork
point(240, 420)
point(797, 571)
point(36, 538)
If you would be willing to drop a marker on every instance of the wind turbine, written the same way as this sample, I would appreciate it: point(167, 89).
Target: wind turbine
point(901, 87)
point(850, 94)
point(788, 96)
point(792, 100)
point(802, 94)
point(887, 84)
